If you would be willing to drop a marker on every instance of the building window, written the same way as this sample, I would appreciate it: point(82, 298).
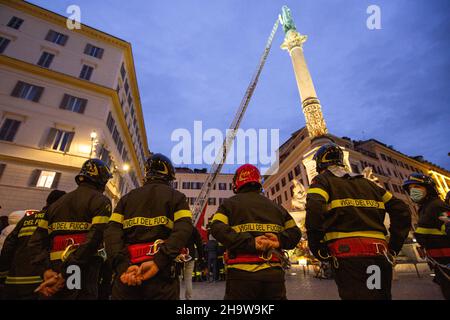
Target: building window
point(285, 196)
point(93, 51)
point(279, 201)
point(186, 185)
point(86, 72)
point(72, 103)
point(383, 156)
point(272, 190)
point(175, 184)
point(59, 140)
point(27, 91)
point(121, 184)
point(115, 135)
point(125, 155)
point(196, 185)
point(130, 101)
point(389, 171)
point(110, 122)
point(9, 129)
point(283, 182)
point(134, 179)
point(56, 37)
point(222, 186)
point(290, 176)
point(395, 188)
point(2, 169)
point(123, 72)
point(386, 186)
point(395, 174)
point(120, 145)
point(291, 188)
point(297, 170)
point(104, 156)
point(277, 187)
point(221, 200)
point(46, 59)
point(212, 201)
point(15, 23)
point(354, 168)
point(126, 86)
point(45, 179)
point(3, 44)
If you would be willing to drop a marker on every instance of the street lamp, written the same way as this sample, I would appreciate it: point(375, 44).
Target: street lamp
point(93, 138)
point(126, 167)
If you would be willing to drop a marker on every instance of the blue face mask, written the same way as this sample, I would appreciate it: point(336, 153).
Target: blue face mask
point(416, 194)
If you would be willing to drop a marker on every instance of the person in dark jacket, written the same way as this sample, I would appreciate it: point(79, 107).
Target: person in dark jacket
point(147, 232)
point(254, 230)
point(68, 239)
point(433, 226)
point(211, 252)
point(22, 277)
point(345, 225)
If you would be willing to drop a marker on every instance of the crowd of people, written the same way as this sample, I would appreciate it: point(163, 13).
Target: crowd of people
point(79, 247)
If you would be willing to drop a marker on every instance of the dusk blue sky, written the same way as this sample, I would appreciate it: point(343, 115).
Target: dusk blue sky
point(194, 60)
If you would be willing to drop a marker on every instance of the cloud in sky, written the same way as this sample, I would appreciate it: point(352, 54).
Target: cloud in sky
point(194, 60)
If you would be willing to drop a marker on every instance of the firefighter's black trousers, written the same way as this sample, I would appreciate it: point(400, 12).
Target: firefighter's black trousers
point(358, 278)
point(267, 284)
point(443, 276)
point(89, 282)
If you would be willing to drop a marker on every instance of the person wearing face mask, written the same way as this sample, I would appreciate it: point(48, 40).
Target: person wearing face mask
point(432, 229)
point(345, 226)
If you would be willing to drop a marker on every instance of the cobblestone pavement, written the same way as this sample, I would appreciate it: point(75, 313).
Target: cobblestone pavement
point(306, 287)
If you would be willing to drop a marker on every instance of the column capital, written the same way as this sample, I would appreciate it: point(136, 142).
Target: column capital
point(293, 39)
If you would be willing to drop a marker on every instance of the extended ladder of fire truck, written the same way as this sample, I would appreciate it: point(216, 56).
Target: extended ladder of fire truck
point(201, 200)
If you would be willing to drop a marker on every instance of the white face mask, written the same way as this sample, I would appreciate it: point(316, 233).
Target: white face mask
point(416, 194)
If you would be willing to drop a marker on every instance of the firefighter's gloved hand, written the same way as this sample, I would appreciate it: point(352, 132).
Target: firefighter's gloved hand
point(53, 282)
point(147, 270)
point(130, 277)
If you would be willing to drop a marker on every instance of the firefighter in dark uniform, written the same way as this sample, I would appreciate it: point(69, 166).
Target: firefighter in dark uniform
point(147, 231)
point(253, 230)
point(22, 277)
point(432, 229)
point(70, 236)
point(344, 222)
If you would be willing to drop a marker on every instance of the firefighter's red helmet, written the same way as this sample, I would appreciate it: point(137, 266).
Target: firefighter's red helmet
point(246, 174)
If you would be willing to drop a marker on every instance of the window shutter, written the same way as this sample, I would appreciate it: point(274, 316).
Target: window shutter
point(2, 169)
point(17, 89)
point(50, 138)
point(64, 102)
point(64, 40)
point(69, 141)
point(83, 105)
point(56, 180)
point(50, 35)
point(34, 177)
point(100, 53)
point(13, 130)
point(87, 49)
point(38, 94)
